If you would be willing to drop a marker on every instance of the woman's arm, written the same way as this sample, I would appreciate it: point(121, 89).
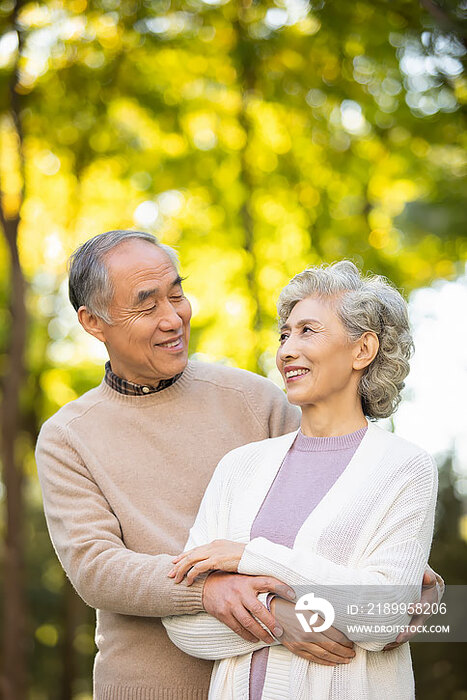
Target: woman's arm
point(393, 564)
point(205, 637)
point(396, 555)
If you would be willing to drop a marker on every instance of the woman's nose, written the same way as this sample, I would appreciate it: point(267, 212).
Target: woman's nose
point(288, 350)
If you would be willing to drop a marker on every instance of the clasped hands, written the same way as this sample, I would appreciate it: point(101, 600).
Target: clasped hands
point(233, 600)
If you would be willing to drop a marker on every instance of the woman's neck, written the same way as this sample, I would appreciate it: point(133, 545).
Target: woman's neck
point(328, 421)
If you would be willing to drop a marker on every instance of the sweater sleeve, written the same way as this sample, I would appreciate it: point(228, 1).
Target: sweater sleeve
point(87, 538)
point(202, 635)
point(394, 560)
point(283, 417)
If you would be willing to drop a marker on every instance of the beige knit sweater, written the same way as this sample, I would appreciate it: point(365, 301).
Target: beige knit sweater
point(122, 479)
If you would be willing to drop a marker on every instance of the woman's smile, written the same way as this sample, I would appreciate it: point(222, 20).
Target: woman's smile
point(293, 373)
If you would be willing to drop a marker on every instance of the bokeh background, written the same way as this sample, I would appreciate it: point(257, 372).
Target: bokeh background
point(256, 136)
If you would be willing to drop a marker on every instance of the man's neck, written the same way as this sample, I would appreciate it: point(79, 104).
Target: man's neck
point(132, 388)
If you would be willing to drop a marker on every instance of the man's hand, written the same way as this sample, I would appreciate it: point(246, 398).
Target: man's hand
point(327, 648)
point(232, 599)
point(432, 592)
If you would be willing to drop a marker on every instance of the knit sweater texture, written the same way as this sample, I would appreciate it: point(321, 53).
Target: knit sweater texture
point(122, 478)
point(372, 528)
point(310, 468)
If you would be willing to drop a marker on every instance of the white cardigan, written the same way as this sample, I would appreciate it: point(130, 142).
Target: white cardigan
point(374, 526)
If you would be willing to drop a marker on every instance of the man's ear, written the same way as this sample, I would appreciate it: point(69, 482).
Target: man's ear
point(366, 350)
point(91, 323)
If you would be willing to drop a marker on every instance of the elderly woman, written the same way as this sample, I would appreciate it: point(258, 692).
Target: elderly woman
point(341, 502)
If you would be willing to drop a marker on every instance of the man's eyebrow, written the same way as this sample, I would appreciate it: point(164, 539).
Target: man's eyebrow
point(144, 294)
point(299, 324)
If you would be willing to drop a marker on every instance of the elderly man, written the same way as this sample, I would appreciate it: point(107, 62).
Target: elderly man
point(124, 467)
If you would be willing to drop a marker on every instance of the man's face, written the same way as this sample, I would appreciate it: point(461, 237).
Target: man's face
point(148, 338)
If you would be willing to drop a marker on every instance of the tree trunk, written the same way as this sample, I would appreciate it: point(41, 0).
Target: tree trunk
point(246, 61)
point(13, 681)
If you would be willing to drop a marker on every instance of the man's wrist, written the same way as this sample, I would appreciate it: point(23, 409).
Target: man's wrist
point(189, 599)
point(205, 578)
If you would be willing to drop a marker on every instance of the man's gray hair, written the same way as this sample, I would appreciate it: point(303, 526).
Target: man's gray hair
point(89, 283)
point(363, 303)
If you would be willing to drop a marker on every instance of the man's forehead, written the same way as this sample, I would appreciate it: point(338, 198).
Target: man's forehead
point(136, 253)
point(136, 268)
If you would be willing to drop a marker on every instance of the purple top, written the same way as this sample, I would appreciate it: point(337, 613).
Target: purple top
point(309, 470)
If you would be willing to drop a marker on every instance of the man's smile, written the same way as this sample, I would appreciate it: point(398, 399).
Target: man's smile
point(172, 344)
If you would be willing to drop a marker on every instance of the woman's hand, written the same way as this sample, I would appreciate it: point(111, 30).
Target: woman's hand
point(327, 648)
point(222, 555)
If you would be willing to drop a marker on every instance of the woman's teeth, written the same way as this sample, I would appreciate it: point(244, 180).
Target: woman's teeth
point(296, 373)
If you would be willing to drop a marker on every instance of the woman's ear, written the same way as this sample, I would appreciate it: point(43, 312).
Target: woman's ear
point(366, 349)
point(91, 323)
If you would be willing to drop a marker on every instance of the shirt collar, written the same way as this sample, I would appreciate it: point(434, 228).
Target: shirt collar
point(123, 386)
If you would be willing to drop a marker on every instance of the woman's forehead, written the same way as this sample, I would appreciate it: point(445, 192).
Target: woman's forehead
point(313, 308)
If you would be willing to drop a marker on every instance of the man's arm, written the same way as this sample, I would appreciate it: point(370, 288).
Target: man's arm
point(88, 541)
point(432, 593)
point(206, 637)
point(233, 602)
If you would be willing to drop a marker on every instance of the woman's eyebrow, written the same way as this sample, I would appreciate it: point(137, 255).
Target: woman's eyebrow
point(300, 323)
point(304, 321)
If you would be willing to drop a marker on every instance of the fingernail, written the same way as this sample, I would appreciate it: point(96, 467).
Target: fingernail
point(278, 631)
point(290, 594)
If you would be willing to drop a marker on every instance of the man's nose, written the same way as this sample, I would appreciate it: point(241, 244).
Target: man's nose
point(170, 319)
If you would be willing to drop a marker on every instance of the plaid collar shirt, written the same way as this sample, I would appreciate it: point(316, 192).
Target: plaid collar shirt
point(123, 386)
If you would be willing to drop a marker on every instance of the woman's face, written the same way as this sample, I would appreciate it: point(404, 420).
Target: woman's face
point(315, 356)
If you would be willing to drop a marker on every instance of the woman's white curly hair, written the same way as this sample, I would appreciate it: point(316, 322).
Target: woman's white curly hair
point(363, 303)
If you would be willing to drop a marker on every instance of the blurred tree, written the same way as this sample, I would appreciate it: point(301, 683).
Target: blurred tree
point(259, 137)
